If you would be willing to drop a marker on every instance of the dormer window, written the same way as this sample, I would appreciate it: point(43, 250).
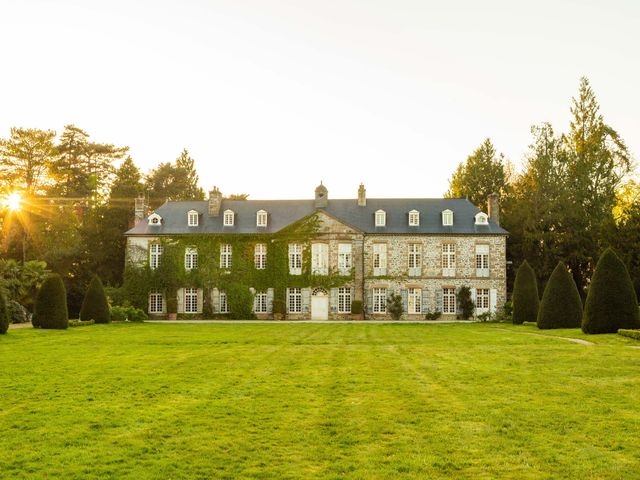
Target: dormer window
point(381, 218)
point(229, 218)
point(447, 218)
point(192, 218)
point(155, 220)
point(261, 218)
point(482, 218)
point(414, 218)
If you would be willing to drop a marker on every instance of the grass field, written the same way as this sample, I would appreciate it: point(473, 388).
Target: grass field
point(317, 401)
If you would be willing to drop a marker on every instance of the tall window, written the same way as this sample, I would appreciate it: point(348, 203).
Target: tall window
point(229, 218)
point(344, 300)
point(414, 300)
point(225, 256)
point(379, 258)
point(295, 300)
point(190, 300)
point(415, 260)
point(447, 217)
point(414, 218)
point(155, 252)
point(482, 260)
point(190, 258)
point(320, 259)
point(156, 302)
point(192, 218)
point(295, 259)
point(482, 299)
point(379, 300)
point(448, 300)
point(448, 259)
point(260, 256)
point(260, 303)
point(261, 218)
point(224, 304)
point(381, 218)
point(344, 258)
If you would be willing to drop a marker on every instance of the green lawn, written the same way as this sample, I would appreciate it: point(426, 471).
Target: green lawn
point(317, 401)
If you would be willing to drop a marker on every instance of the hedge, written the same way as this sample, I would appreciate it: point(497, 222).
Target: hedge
point(4, 314)
point(130, 314)
point(629, 333)
point(51, 304)
point(80, 323)
point(561, 305)
point(94, 305)
point(611, 302)
point(525, 295)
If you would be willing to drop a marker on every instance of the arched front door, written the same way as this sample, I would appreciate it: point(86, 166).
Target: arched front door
point(319, 304)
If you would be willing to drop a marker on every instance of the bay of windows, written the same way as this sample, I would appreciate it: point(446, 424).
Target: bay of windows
point(156, 302)
point(414, 300)
point(448, 259)
point(260, 256)
point(482, 260)
point(448, 300)
point(320, 259)
point(155, 252)
point(344, 300)
point(379, 258)
point(190, 258)
point(294, 302)
point(295, 259)
point(379, 300)
point(415, 258)
point(190, 300)
point(225, 256)
point(260, 302)
point(224, 304)
point(344, 258)
point(482, 298)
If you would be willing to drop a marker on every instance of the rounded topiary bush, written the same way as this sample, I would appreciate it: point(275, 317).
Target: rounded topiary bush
point(95, 306)
point(611, 302)
point(4, 314)
point(561, 305)
point(525, 295)
point(51, 304)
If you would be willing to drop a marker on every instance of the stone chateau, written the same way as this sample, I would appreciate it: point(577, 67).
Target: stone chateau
point(422, 249)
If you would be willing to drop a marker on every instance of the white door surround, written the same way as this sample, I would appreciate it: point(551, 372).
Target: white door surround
point(319, 304)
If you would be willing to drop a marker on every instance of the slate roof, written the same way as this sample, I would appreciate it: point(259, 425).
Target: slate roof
point(282, 213)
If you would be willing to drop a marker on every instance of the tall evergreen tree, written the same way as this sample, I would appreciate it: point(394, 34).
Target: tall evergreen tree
point(177, 181)
point(561, 305)
point(525, 295)
point(95, 306)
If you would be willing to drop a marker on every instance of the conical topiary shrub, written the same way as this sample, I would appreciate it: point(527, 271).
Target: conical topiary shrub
point(4, 314)
point(611, 302)
point(95, 306)
point(51, 304)
point(561, 305)
point(525, 295)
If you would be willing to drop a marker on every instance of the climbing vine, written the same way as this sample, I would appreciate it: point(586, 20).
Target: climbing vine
point(236, 281)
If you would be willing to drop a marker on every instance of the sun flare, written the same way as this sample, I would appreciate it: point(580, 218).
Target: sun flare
point(13, 201)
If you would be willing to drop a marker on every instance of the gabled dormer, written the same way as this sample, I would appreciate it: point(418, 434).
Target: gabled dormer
point(261, 218)
point(414, 218)
point(380, 218)
point(193, 218)
point(447, 218)
point(229, 218)
point(482, 218)
point(155, 220)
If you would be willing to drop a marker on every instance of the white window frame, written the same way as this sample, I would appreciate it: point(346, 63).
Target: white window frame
point(447, 218)
point(414, 258)
point(226, 256)
point(482, 218)
point(482, 260)
point(320, 259)
point(260, 302)
point(414, 218)
point(155, 220)
point(229, 218)
point(380, 218)
point(379, 296)
point(379, 259)
point(224, 303)
point(261, 218)
point(344, 300)
point(414, 300)
point(155, 252)
point(260, 256)
point(190, 258)
point(345, 258)
point(156, 300)
point(192, 218)
point(190, 300)
point(449, 300)
point(483, 300)
point(295, 259)
point(448, 259)
point(294, 300)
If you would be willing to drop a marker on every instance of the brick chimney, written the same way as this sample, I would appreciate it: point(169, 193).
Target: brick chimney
point(362, 196)
point(141, 209)
point(494, 208)
point(215, 202)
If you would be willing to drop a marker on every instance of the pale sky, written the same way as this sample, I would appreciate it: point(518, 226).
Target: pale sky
point(270, 97)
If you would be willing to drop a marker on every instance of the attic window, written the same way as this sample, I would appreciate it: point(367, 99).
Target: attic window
point(447, 218)
point(381, 218)
point(192, 218)
point(414, 218)
point(482, 218)
point(155, 220)
point(229, 218)
point(261, 218)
